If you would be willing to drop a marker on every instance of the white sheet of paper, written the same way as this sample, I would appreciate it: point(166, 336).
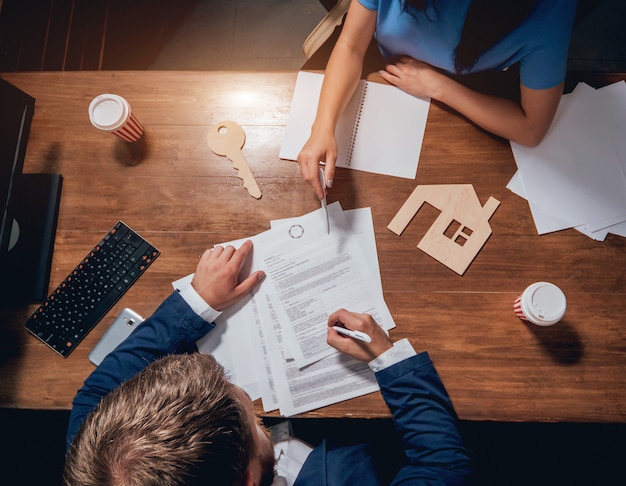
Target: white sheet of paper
point(605, 224)
point(545, 223)
point(575, 175)
point(617, 229)
point(361, 224)
point(330, 380)
point(315, 273)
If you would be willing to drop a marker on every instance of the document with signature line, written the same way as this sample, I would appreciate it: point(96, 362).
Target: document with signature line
point(310, 274)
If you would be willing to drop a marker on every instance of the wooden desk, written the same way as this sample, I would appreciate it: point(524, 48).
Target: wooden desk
point(183, 199)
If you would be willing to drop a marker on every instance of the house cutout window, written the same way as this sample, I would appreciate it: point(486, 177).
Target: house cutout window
point(452, 229)
point(460, 231)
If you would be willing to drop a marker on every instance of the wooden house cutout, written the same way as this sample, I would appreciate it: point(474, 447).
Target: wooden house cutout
point(459, 232)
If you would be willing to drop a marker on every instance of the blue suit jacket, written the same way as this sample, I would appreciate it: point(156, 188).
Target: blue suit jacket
point(424, 417)
point(174, 328)
point(422, 411)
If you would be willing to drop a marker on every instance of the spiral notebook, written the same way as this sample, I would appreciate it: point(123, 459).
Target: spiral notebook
point(380, 131)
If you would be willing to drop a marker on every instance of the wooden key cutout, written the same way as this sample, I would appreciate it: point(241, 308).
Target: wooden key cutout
point(227, 139)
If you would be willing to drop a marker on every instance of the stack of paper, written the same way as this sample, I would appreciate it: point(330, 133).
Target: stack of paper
point(273, 344)
point(576, 177)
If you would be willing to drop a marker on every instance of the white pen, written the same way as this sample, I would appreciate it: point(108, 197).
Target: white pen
point(360, 336)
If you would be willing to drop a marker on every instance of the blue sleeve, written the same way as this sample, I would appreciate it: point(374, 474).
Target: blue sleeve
point(369, 4)
point(545, 65)
point(424, 416)
point(174, 328)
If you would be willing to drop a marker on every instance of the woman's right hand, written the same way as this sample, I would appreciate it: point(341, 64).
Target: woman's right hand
point(319, 149)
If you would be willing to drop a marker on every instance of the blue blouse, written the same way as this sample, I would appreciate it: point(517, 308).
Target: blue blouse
point(540, 44)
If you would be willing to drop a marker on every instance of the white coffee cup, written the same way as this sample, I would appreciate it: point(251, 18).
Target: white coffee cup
point(541, 303)
point(112, 113)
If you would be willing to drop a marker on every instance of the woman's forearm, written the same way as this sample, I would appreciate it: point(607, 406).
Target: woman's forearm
point(525, 122)
point(341, 79)
point(344, 66)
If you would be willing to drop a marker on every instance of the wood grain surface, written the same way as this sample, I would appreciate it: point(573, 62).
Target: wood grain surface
point(183, 198)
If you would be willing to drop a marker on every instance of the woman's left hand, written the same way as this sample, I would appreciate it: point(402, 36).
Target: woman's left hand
point(415, 77)
point(525, 122)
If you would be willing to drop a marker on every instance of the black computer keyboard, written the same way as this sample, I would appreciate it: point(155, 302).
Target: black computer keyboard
point(91, 289)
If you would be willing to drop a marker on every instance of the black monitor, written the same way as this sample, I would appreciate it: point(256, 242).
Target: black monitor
point(29, 205)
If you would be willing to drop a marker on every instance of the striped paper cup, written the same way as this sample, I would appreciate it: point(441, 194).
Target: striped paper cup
point(112, 113)
point(541, 303)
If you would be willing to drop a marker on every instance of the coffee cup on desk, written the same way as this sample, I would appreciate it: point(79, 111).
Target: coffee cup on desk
point(541, 303)
point(112, 113)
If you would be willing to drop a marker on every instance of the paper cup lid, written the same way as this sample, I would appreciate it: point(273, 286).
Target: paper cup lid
point(544, 303)
point(108, 111)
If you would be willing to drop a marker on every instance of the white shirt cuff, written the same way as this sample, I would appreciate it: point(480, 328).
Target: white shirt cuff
point(401, 350)
point(197, 303)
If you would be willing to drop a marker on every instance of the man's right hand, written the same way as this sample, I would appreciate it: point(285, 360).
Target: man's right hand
point(217, 276)
point(352, 347)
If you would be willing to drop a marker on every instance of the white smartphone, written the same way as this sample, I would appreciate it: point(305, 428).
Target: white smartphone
point(121, 328)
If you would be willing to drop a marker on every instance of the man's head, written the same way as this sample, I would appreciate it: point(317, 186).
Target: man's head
point(179, 421)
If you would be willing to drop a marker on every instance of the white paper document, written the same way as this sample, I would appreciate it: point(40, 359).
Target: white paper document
point(576, 177)
point(332, 379)
point(273, 343)
point(315, 274)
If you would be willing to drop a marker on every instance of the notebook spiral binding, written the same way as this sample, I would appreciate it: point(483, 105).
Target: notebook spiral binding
point(357, 121)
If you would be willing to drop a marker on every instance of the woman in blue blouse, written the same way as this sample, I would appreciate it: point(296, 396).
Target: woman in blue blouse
point(429, 45)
